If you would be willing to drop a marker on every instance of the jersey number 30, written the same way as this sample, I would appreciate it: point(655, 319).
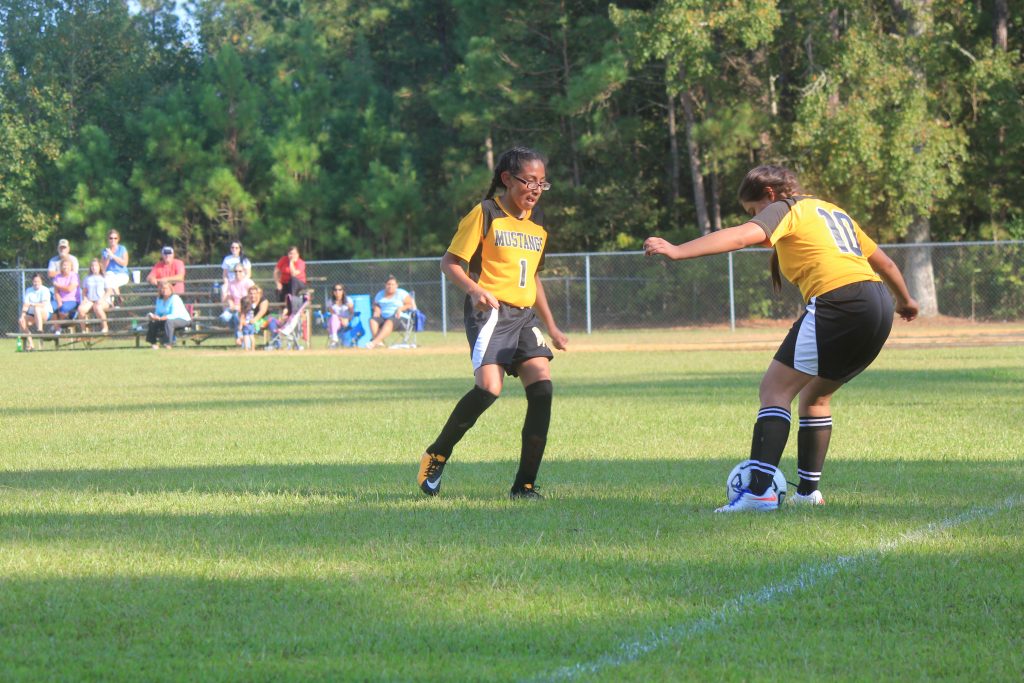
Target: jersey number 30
point(841, 227)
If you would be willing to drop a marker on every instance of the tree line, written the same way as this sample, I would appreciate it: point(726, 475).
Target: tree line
point(358, 128)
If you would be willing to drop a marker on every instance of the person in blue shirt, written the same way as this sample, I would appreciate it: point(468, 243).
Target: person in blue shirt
point(389, 305)
point(115, 264)
point(168, 316)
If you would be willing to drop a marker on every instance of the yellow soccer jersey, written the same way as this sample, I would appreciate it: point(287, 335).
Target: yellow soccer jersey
point(820, 247)
point(504, 252)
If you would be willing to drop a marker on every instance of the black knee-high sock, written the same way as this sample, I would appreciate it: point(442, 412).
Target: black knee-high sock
point(467, 410)
point(771, 431)
point(811, 447)
point(535, 432)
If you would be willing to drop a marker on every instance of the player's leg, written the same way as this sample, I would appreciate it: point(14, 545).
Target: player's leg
point(535, 374)
point(813, 437)
point(468, 410)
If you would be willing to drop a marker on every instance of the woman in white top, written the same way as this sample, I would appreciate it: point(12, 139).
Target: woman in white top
point(235, 258)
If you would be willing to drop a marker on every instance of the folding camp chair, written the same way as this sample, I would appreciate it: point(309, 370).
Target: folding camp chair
point(358, 331)
point(409, 323)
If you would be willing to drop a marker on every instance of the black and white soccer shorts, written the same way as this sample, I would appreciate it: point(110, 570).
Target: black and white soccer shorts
point(840, 333)
point(504, 336)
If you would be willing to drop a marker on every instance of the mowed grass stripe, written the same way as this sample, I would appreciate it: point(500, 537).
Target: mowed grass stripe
point(217, 516)
point(766, 597)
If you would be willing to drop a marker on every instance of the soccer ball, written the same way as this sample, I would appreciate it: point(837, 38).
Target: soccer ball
point(739, 479)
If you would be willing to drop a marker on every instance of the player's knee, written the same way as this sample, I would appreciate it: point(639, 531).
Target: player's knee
point(541, 390)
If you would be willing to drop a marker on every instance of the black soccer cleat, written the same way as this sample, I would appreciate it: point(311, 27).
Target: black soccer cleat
point(527, 492)
point(431, 467)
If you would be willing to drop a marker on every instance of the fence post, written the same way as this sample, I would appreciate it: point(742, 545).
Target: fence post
point(732, 298)
point(587, 269)
point(444, 307)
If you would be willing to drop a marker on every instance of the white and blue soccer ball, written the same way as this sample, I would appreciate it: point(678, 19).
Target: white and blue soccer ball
point(739, 479)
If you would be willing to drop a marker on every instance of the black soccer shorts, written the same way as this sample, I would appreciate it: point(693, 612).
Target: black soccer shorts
point(504, 336)
point(840, 332)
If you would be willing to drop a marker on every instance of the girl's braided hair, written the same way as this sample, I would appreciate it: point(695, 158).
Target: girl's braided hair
point(513, 161)
point(783, 183)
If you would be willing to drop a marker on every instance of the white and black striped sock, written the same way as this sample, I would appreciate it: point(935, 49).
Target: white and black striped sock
point(812, 446)
point(771, 431)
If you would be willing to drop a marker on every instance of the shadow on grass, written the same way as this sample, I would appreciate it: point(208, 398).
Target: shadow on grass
point(365, 591)
point(682, 386)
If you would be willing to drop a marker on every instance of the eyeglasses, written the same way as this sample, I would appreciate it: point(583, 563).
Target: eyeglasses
point(532, 185)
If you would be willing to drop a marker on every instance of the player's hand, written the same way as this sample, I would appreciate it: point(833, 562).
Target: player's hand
point(653, 246)
point(558, 338)
point(482, 299)
point(907, 309)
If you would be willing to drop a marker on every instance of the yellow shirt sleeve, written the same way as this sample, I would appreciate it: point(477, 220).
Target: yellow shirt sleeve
point(467, 237)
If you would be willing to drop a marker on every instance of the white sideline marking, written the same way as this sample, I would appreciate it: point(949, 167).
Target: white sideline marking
point(807, 577)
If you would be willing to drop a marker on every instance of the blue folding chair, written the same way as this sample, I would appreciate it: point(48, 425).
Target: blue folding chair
point(358, 331)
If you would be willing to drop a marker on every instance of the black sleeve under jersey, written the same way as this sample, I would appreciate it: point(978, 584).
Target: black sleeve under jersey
point(771, 216)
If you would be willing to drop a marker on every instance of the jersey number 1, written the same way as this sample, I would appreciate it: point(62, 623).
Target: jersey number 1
point(841, 227)
point(522, 273)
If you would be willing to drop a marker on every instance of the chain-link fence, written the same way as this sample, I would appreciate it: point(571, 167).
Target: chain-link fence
point(976, 280)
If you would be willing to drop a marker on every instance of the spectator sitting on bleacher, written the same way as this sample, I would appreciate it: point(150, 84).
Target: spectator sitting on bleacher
point(169, 315)
point(341, 309)
point(290, 274)
point(168, 269)
point(233, 293)
point(254, 316)
point(66, 292)
point(63, 252)
point(115, 265)
point(94, 297)
point(35, 305)
point(235, 258)
point(388, 306)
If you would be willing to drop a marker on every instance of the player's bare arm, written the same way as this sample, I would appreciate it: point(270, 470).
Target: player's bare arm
point(558, 338)
point(720, 242)
point(906, 306)
point(455, 269)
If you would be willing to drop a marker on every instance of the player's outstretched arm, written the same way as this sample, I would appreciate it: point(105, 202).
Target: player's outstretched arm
point(720, 242)
point(890, 273)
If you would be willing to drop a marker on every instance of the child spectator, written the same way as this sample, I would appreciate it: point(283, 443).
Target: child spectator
point(35, 306)
point(94, 296)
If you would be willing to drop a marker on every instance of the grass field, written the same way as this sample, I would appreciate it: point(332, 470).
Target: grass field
point(209, 515)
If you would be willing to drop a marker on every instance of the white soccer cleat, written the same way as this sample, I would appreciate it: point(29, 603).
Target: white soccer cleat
point(746, 500)
point(812, 498)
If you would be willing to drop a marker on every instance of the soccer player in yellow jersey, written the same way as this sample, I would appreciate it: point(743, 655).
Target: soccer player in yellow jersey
point(847, 319)
point(501, 244)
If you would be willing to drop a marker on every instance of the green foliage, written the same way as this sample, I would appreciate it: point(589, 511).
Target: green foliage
point(363, 129)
